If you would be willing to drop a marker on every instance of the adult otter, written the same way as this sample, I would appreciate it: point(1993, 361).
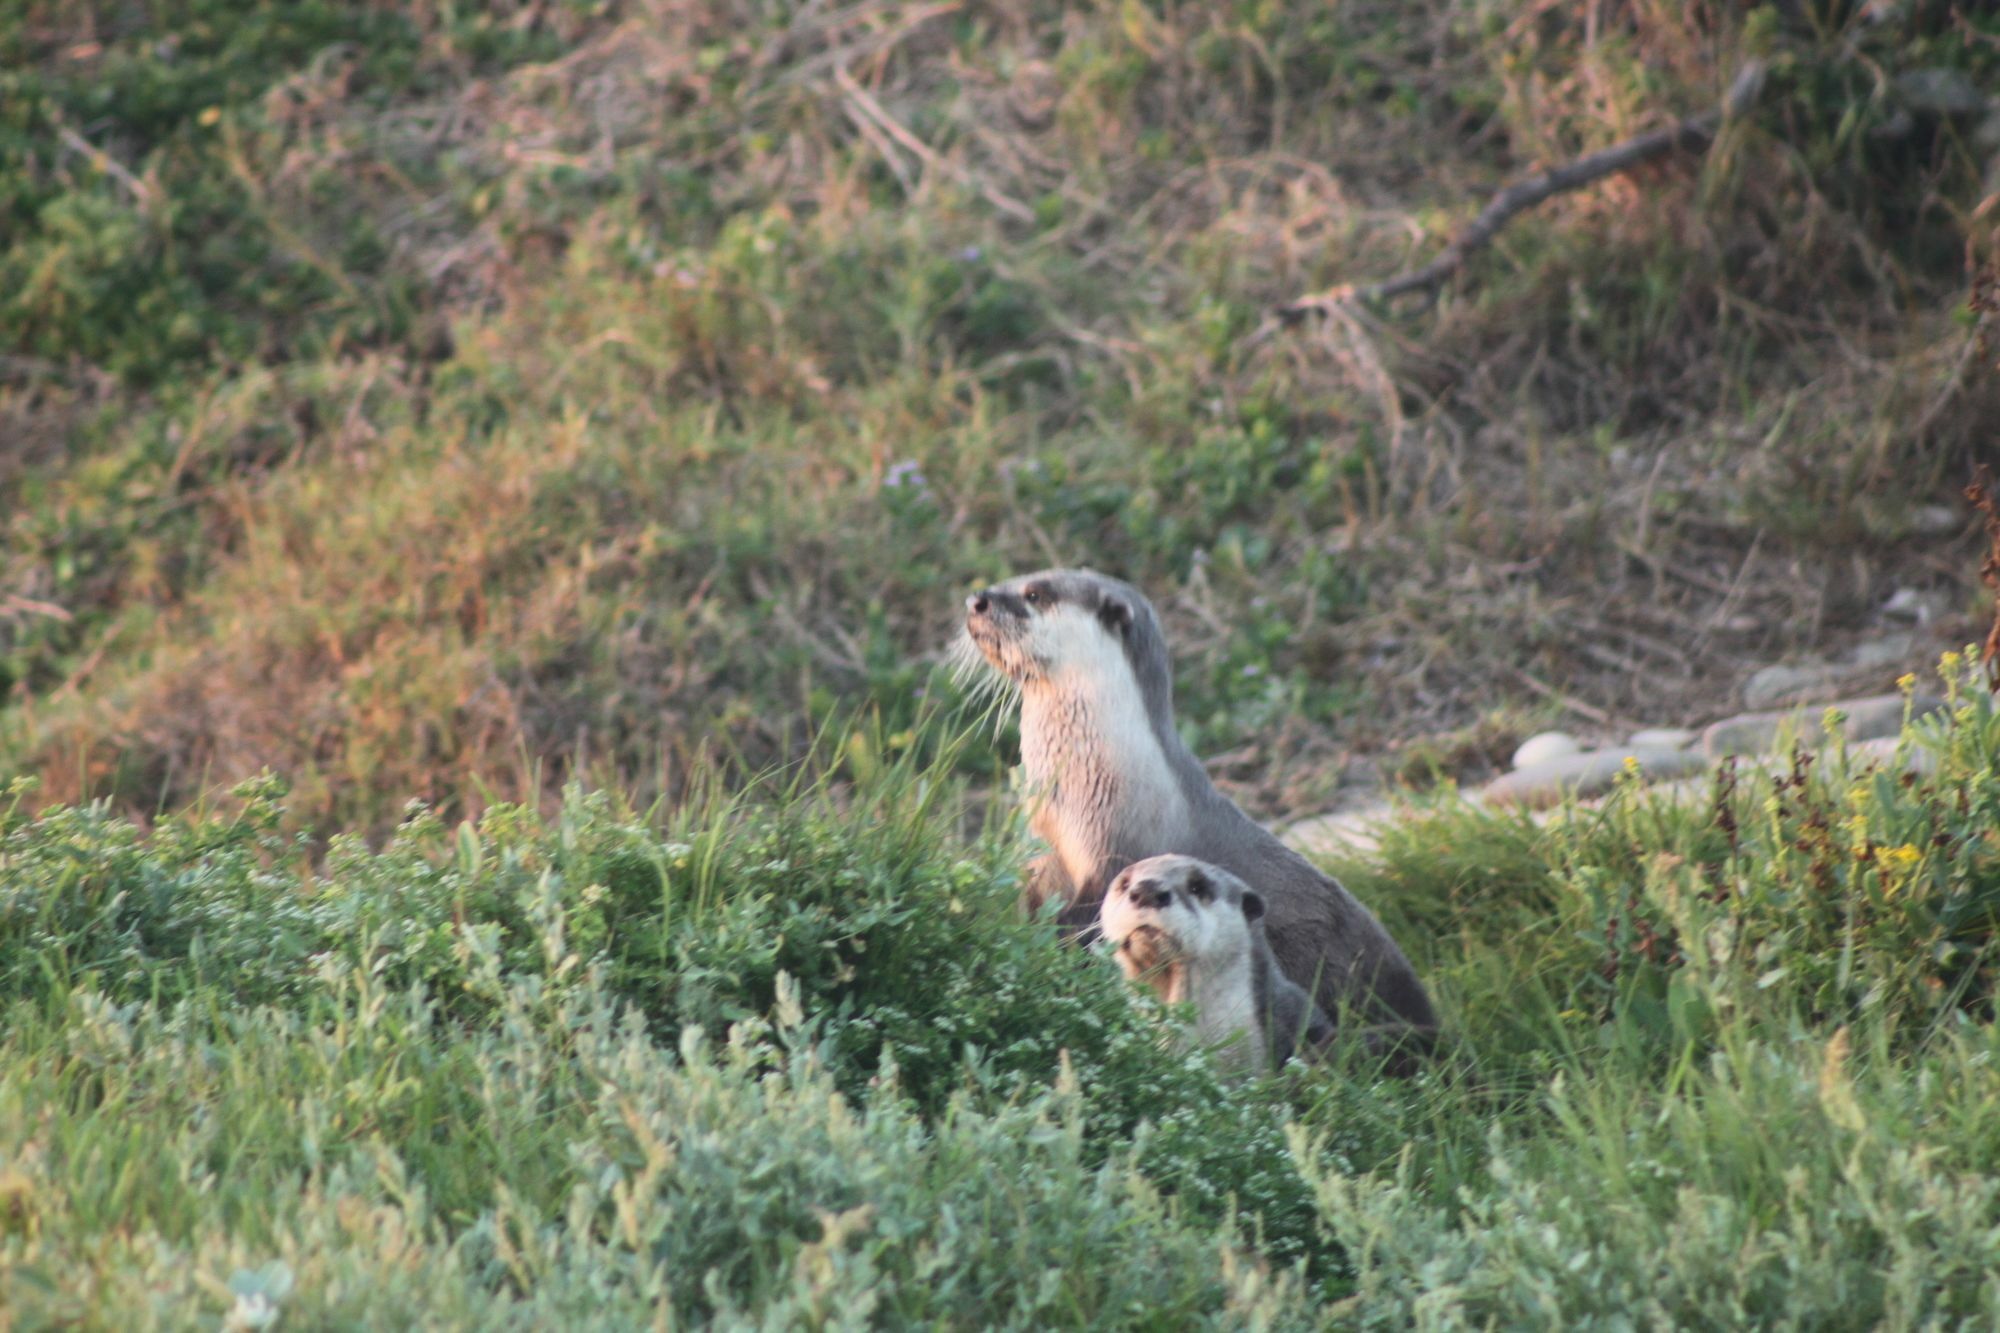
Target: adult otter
point(1194, 933)
point(1110, 783)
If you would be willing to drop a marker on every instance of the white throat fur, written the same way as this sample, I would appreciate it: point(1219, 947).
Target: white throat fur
point(1089, 753)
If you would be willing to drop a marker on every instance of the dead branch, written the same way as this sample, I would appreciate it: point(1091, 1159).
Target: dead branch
point(141, 191)
point(864, 110)
point(1986, 500)
point(1692, 134)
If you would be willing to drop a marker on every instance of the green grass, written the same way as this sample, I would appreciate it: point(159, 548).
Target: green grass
point(790, 1056)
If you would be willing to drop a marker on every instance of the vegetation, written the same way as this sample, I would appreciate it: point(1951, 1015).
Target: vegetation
point(555, 437)
point(791, 1056)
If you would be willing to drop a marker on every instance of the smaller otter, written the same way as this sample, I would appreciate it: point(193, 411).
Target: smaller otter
point(1194, 933)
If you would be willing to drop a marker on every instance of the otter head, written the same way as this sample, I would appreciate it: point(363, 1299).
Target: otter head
point(1035, 628)
point(1167, 909)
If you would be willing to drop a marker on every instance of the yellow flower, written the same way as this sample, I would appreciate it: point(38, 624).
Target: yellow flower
point(1907, 681)
point(1898, 862)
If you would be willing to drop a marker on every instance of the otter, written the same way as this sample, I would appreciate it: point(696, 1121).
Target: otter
point(1194, 933)
point(1110, 782)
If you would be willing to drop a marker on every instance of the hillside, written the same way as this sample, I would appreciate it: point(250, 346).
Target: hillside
point(440, 403)
point(488, 842)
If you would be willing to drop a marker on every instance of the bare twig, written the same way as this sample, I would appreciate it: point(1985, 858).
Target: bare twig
point(26, 369)
point(1693, 134)
point(1986, 500)
point(862, 105)
point(1569, 701)
point(16, 607)
point(142, 191)
point(1974, 348)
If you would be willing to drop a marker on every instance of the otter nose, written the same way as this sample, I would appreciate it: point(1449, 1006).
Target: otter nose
point(978, 603)
point(1150, 893)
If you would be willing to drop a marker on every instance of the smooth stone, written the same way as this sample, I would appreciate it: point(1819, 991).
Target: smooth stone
point(1543, 747)
point(1881, 752)
point(1663, 738)
point(1774, 685)
point(1340, 833)
point(1987, 136)
point(1890, 650)
point(1866, 719)
point(1585, 775)
point(1941, 91)
point(1910, 604)
point(1942, 520)
point(1682, 792)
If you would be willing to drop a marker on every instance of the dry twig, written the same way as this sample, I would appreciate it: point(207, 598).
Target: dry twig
point(1693, 134)
point(141, 191)
point(864, 110)
point(1987, 502)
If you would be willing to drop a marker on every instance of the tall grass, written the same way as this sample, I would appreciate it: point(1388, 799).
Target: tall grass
point(792, 1056)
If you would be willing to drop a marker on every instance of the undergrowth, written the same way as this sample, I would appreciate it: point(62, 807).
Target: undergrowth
point(791, 1055)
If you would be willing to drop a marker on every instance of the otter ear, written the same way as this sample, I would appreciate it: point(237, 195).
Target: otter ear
point(1116, 614)
point(1253, 905)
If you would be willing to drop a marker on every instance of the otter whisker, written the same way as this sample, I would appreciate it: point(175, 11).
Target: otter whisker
point(988, 690)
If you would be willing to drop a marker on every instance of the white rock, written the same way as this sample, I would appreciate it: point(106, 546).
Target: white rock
point(1941, 90)
point(1343, 832)
point(1938, 520)
point(1889, 650)
point(1544, 746)
point(1909, 604)
point(1987, 134)
point(1662, 738)
point(1780, 684)
point(1586, 775)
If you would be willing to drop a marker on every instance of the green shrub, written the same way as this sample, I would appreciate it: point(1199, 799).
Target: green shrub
point(911, 959)
point(620, 1181)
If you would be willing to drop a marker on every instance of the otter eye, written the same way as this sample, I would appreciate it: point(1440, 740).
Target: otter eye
point(1031, 596)
point(1038, 596)
point(1199, 886)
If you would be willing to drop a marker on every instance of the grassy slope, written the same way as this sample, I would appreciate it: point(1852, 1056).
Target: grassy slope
point(579, 392)
point(440, 404)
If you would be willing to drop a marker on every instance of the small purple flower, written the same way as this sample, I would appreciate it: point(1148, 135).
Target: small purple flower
point(906, 473)
point(971, 254)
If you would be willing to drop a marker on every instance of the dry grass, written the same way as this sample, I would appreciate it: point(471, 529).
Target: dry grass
point(747, 339)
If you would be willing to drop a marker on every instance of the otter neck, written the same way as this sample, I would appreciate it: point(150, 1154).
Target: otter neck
point(1095, 765)
point(1225, 1006)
